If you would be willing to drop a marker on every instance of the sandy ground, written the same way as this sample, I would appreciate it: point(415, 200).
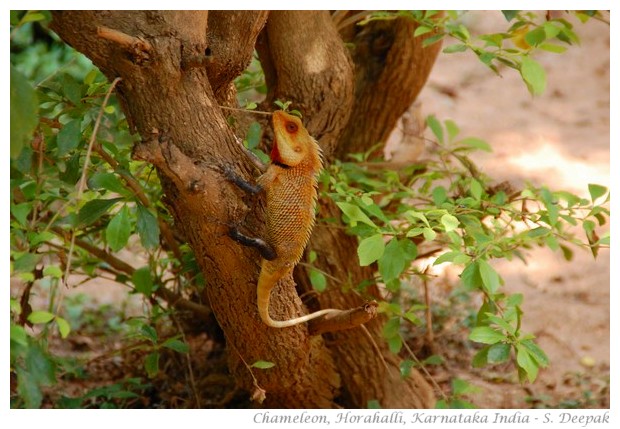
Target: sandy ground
point(560, 139)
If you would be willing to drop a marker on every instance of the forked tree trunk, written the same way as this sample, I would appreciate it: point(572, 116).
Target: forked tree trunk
point(176, 68)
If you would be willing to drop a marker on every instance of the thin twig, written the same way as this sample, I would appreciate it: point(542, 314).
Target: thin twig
point(260, 393)
point(192, 380)
point(421, 365)
point(82, 182)
point(123, 39)
point(258, 112)
point(352, 19)
point(429, 320)
point(377, 349)
point(170, 297)
point(138, 191)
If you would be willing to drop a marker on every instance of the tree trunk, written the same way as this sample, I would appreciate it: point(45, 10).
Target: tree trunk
point(176, 68)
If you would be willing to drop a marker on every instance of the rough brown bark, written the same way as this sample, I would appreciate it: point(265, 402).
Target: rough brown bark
point(176, 68)
point(313, 72)
point(391, 67)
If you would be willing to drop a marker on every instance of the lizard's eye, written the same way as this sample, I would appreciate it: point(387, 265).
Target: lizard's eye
point(291, 127)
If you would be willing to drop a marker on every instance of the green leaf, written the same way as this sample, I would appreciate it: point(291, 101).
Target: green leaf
point(457, 47)
point(148, 332)
point(94, 209)
point(395, 344)
point(413, 215)
point(176, 345)
point(410, 250)
point(550, 47)
point(24, 115)
point(486, 335)
point(21, 212)
point(263, 364)
point(452, 128)
point(354, 214)
point(72, 89)
point(37, 317)
point(53, 271)
point(147, 227)
point(503, 322)
point(118, 230)
point(28, 389)
point(567, 252)
point(31, 17)
point(40, 237)
point(481, 358)
point(533, 75)
point(471, 276)
point(108, 181)
point(536, 353)
point(536, 36)
point(462, 387)
point(510, 14)
point(527, 363)
point(449, 222)
point(498, 353)
point(26, 262)
point(440, 195)
point(538, 232)
point(429, 234)
point(254, 135)
point(421, 30)
point(72, 171)
point(475, 189)
point(432, 39)
point(392, 262)
point(596, 191)
point(318, 280)
point(435, 127)
point(69, 137)
point(143, 280)
point(370, 249)
point(433, 360)
point(490, 278)
point(18, 335)
point(373, 404)
point(392, 328)
point(405, 367)
point(63, 327)
point(550, 205)
point(39, 365)
point(475, 143)
point(151, 364)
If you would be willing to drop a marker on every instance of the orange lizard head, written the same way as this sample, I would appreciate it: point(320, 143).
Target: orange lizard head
point(293, 145)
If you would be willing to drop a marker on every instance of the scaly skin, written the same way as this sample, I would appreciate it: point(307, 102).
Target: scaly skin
point(290, 183)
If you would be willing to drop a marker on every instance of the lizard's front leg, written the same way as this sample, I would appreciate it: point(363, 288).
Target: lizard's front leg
point(241, 183)
point(265, 249)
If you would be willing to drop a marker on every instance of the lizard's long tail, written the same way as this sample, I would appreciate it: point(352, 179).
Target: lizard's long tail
point(266, 282)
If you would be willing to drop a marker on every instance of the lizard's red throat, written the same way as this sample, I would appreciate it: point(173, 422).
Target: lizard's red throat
point(275, 153)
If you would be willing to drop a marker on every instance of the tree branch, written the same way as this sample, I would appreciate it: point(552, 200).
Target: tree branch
point(170, 297)
point(391, 67)
point(345, 319)
point(312, 69)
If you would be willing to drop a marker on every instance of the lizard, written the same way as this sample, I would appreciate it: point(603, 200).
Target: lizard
point(290, 184)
